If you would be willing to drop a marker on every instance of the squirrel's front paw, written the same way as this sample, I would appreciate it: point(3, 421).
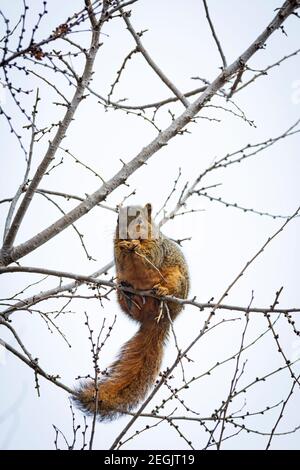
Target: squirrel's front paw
point(160, 290)
point(121, 284)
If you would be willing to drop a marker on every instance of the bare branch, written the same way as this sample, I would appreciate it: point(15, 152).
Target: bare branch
point(264, 72)
point(273, 433)
point(91, 13)
point(201, 333)
point(37, 369)
point(9, 255)
point(214, 34)
point(51, 292)
point(142, 107)
point(28, 166)
point(151, 62)
point(10, 237)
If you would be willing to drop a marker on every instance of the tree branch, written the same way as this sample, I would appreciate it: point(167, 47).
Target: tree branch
point(91, 13)
point(51, 292)
point(151, 62)
point(214, 34)
point(201, 333)
point(28, 165)
point(37, 369)
point(10, 255)
point(53, 146)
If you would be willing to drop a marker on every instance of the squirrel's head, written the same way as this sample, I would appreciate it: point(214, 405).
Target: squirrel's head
point(135, 223)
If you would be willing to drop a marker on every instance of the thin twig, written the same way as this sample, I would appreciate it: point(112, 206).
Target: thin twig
point(215, 34)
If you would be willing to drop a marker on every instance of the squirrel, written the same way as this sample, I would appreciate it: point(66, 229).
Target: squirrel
point(145, 259)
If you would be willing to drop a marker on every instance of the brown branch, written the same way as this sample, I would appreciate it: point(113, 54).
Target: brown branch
point(23, 304)
point(214, 34)
point(236, 81)
point(80, 279)
point(273, 433)
point(72, 196)
point(234, 379)
point(276, 336)
point(237, 206)
point(101, 282)
point(65, 196)
point(142, 107)
point(151, 62)
point(121, 5)
point(91, 13)
point(119, 73)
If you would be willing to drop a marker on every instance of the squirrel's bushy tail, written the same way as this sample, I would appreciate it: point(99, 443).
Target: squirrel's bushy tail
point(130, 376)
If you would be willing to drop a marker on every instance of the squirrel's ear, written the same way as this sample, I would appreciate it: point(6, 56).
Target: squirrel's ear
point(148, 208)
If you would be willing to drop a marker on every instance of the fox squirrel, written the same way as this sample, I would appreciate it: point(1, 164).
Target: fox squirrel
point(145, 260)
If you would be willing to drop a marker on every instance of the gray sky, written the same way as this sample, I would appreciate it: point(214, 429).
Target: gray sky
point(223, 239)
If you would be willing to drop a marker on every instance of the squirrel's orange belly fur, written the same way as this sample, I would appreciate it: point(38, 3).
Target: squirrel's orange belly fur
point(139, 277)
point(156, 264)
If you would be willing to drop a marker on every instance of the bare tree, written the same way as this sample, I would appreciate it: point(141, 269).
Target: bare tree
point(47, 76)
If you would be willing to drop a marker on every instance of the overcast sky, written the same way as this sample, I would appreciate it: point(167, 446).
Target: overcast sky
point(223, 239)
